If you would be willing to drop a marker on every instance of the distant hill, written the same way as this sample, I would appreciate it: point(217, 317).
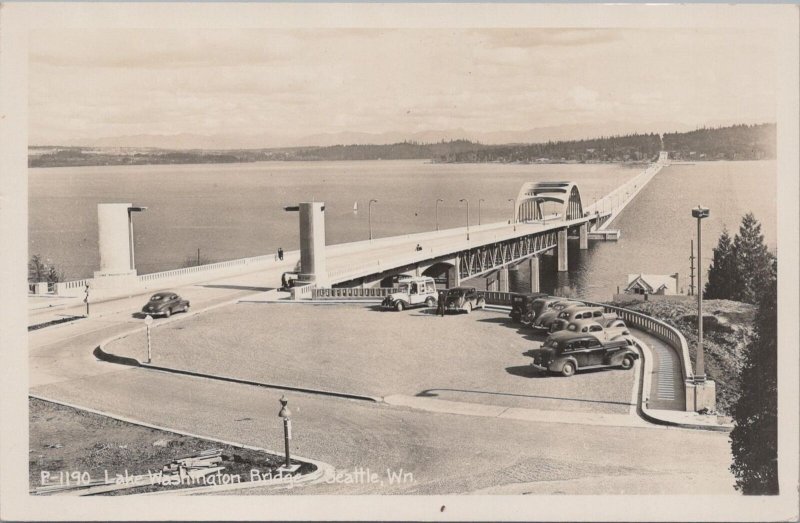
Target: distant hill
point(738, 142)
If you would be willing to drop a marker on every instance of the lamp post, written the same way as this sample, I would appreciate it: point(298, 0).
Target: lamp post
point(285, 413)
point(86, 299)
point(479, 211)
point(370, 217)
point(132, 209)
point(437, 212)
point(513, 212)
point(700, 371)
point(466, 200)
point(148, 320)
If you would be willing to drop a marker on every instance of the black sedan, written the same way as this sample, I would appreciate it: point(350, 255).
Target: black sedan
point(165, 303)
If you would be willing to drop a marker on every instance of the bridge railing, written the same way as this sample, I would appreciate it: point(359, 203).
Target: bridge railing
point(71, 288)
point(496, 298)
point(346, 293)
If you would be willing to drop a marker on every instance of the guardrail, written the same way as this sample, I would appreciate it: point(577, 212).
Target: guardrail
point(230, 264)
point(351, 293)
point(496, 298)
point(71, 288)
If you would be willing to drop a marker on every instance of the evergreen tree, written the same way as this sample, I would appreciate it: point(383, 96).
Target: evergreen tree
point(754, 263)
point(754, 440)
point(722, 275)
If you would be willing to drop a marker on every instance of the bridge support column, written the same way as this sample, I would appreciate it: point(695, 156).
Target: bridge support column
point(115, 240)
point(312, 243)
point(534, 266)
point(453, 274)
point(502, 279)
point(583, 234)
point(491, 283)
point(562, 251)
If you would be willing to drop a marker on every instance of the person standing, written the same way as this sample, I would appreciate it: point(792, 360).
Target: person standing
point(280, 253)
point(440, 304)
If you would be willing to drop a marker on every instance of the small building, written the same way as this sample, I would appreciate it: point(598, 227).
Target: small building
point(661, 284)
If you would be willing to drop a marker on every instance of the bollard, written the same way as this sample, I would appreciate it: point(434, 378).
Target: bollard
point(285, 413)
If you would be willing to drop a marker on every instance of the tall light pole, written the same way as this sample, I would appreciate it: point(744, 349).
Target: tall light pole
point(700, 370)
point(370, 217)
point(479, 210)
point(513, 212)
point(437, 212)
point(466, 200)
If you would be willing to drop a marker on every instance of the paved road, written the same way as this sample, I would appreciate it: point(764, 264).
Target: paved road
point(446, 453)
point(667, 390)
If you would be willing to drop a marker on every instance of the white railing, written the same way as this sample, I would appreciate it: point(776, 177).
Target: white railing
point(355, 293)
point(230, 264)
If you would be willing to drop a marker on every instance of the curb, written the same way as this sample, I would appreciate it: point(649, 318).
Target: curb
point(101, 354)
point(323, 470)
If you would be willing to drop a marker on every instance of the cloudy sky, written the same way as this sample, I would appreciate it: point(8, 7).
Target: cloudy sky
point(282, 87)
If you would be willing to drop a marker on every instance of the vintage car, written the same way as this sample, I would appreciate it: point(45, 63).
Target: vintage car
point(411, 292)
point(544, 320)
point(566, 352)
point(164, 304)
point(540, 305)
point(614, 329)
point(570, 314)
point(463, 299)
point(522, 305)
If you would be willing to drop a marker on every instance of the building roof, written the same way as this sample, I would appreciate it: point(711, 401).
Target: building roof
point(652, 282)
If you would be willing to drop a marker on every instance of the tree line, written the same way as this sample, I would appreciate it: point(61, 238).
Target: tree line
point(738, 142)
point(744, 270)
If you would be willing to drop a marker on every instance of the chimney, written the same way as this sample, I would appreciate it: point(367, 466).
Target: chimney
point(677, 282)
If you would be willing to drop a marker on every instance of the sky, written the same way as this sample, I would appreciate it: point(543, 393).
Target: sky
point(245, 88)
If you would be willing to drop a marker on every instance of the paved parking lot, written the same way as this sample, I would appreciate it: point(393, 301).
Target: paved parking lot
point(359, 349)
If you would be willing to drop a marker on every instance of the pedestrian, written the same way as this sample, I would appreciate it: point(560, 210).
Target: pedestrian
point(280, 253)
point(440, 304)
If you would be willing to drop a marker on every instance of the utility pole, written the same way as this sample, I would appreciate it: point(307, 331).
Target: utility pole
point(691, 270)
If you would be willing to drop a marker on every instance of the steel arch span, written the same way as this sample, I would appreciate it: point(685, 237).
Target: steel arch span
point(533, 194)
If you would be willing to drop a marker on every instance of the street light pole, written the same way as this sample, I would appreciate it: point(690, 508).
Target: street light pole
point(700, 371)
point(513, 212)
point(466, 200)
point(437, 212)
point(370, 217)
point(479, 211)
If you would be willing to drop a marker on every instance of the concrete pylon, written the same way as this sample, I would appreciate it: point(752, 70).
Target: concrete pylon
point(534, 267)
point(502, 279)
point(453, 274)
point(115, 242)
point(562, 248)
point(583, 234)
point(312, 243)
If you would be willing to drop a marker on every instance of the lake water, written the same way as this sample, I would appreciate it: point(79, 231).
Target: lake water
point(232, 211)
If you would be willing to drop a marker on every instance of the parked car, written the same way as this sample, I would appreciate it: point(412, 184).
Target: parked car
point(570, 314)
point(540, 305)
point(547, 317)
point(615, 329)
point(412, 292)
point(566, 352)
point(463, 299)
point(522, 304)
point(164, 304)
